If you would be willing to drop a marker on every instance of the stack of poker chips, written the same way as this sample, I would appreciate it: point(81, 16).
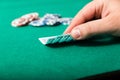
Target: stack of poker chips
point(25, 19)
point(33, 19)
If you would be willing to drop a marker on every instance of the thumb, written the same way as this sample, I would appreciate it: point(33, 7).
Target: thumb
point(92, 28)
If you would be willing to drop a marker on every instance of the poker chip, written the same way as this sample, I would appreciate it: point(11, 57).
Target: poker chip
point(51, 19)
point(56, 15)
point(48, 15)
point(25, 19)
point(19, 22)
point(65, 21)
point(31, 16)
point(39, 22)
point(52, 22)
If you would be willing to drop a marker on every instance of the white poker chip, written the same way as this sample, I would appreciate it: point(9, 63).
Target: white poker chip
point(31, 16)
point(25, 19)
point(65, 21)
point(50, 22)
point(38, 22)
point(19, 22)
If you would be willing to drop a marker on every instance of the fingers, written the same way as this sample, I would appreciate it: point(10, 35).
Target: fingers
point(87, 13)
point(91, 28)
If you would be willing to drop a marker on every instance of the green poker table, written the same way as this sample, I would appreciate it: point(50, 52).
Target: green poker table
point(23, 56)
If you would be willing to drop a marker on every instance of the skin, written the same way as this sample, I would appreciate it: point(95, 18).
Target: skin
point(97, 17)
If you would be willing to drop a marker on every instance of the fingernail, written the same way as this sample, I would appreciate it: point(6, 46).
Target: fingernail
point(76, 33)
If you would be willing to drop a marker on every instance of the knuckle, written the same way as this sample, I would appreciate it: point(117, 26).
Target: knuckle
point(89, 29)
point(86, 31)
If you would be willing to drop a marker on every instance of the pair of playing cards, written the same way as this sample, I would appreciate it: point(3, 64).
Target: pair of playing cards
point(56, 39)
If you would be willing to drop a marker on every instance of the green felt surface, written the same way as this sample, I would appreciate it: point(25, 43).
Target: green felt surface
point(22, 56)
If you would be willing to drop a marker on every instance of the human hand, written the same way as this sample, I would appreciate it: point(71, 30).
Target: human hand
point(97, 17)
